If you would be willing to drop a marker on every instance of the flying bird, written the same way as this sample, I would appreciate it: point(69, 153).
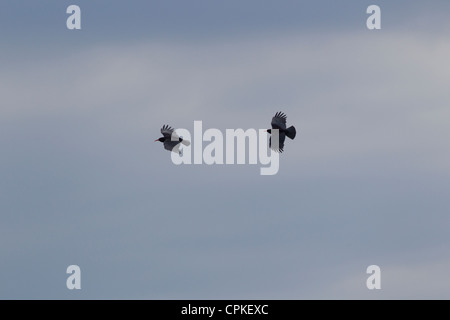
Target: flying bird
point(171, 140)
point(279, 122)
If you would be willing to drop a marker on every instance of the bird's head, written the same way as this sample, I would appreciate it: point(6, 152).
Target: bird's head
point(269, 130)
point(160, 139)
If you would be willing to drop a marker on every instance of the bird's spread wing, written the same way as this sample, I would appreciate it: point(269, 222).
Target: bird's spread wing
point(169, 133)
point(279, 121)
point(281, 138)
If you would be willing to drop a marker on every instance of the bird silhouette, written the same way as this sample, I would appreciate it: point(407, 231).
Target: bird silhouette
point(171, 140)
point(279, 122)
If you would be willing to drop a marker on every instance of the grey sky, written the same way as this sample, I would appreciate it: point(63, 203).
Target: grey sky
point(365, 181)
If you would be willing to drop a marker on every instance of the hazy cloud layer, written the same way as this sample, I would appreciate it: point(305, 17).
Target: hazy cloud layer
point(364, 182)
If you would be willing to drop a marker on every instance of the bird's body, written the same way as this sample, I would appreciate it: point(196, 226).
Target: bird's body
point(279, 122)
point(171, 140)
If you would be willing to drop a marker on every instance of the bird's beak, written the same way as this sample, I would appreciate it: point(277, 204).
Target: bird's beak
point(155, 140)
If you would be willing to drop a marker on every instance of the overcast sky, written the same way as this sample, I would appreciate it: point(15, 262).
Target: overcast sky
point(366, 180)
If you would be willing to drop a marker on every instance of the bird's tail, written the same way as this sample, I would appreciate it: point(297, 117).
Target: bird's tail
point(185, 142)
point(290, 132)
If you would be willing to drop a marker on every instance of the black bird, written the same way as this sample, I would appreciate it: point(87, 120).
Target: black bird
point(279, 122)
point(171, 140)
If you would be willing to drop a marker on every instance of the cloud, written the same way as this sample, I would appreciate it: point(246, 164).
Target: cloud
point(370, 110)
point(361, 95)
point(399, 280)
